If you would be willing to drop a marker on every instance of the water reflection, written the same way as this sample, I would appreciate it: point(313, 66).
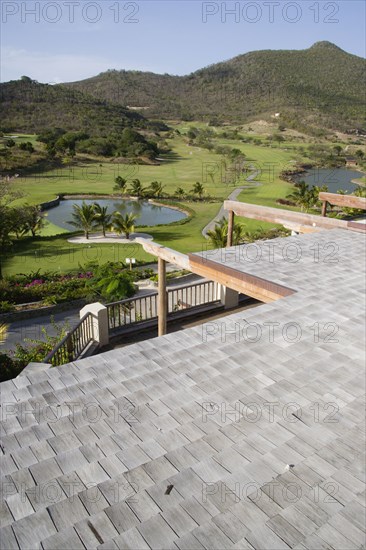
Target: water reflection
point(147, 213)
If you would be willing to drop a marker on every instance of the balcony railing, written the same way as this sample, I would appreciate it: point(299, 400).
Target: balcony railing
point(74, 344)
point(131, 312)
point(145, 308)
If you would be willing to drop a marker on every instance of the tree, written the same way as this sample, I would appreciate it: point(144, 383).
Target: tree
point(33, 220)
point(192, 133)
point(136, 188)
point(278, 138)
point(198, 189)
point(8, 222)
point(156, 188)
point(112, 283)
point(84, 218)
point(303, 196)
point(120, 184)
point(179, 192)
point(359, 154)
point(337, 149)
point(218, 235)
point(124, 224)
point(26, 146)
point(102, 218)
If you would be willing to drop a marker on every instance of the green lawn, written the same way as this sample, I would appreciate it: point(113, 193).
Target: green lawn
point(57, 254)
point(181, 168)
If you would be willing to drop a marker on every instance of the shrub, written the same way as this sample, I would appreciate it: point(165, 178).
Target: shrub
point(35, 351)
point(9, 368)
point(6, 307)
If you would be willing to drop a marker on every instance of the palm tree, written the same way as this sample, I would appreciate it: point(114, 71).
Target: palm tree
point(120, 184)
point(156, 188)
point(198, 189)
point(84, 217)
point(102, 218)
point(218, 235)
point(179, 192)
point(136, 188)
point(124, 224)
point(302, 196)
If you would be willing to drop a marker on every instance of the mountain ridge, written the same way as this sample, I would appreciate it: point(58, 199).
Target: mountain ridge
point(321, 81)
point(321, 86)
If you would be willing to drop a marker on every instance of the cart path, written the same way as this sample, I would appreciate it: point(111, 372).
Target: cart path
point(232, 197)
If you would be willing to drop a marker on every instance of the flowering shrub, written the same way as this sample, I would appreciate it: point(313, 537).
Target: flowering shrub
point(35, 282)
point(110, 281)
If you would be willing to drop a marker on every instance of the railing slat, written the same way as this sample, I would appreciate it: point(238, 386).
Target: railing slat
point(129, 312)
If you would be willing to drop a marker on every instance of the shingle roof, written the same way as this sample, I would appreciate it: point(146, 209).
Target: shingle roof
point(246, 432)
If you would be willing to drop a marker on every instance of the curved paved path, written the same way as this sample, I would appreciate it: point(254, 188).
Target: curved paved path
point(232, 197)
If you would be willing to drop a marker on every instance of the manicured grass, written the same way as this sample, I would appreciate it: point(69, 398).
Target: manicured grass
point(57, 254)
point(50, 229)
point(187, 237)
point(181, 168)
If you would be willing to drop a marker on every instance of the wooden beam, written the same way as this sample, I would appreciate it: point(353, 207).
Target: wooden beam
point(287, 218)
point(168, 254)
point(349, 201)
point(245, 283)
point(230, 229)
point(162, 297)
point(324, 208)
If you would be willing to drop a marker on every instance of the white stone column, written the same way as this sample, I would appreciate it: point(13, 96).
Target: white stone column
point(100, 322)
point(229, 297)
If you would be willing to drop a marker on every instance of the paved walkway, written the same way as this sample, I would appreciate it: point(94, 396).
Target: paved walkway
point(232, 197)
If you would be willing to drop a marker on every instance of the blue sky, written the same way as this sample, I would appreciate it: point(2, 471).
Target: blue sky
point(70, 40)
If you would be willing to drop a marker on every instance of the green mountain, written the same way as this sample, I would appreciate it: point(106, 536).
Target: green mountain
point(323, 84)
point(29, 107)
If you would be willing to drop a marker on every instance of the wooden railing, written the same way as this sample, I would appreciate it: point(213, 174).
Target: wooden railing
point(74, 344)
point(335, 199)
point(145, 308)
point(194, 295)
point(131, 312)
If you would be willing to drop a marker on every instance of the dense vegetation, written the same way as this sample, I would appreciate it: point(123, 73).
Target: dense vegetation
point(30, 107)
point(109, 281)
point(322, 85)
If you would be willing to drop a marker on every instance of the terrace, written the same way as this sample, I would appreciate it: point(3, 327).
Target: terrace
point(246, 432)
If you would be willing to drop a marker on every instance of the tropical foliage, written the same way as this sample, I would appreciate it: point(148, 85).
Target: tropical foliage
point(306, 197)
point(102, 218)
point(124, 224)
point(218, 235)
point(84, 218)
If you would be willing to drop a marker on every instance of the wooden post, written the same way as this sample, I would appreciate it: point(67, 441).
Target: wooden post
point(324, 208)
point(230, 227)
point(162, 298)
point(69, 348)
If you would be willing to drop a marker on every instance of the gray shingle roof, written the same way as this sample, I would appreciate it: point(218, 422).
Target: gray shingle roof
point(246, 432)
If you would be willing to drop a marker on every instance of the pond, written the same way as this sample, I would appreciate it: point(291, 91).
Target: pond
point(147, 213)
point(333, 178)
